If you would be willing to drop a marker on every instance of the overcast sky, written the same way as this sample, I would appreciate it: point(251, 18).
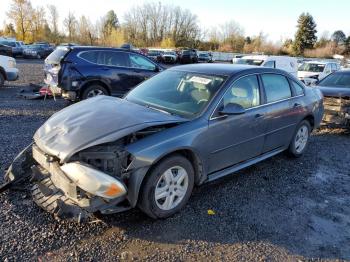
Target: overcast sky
point(276, 18)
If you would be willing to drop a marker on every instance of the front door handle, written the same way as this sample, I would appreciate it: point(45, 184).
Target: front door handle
point(259, 115)
point(297, 105)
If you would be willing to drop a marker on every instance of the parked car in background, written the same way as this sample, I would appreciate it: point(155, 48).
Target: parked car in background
point(5, 50)
point(36, 51)
point(8, 70)
point(17, 49)
point(336, 91)
point(235, 58)
point(155, 55)
point(286, 63)
point(205, 57)
point(186, 126)
point(311, 72)
point(169, 57)
point(83, 72)
point(188, 56)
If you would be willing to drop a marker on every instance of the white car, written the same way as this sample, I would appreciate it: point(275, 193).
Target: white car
point(286, 63)
point(8, 70)
point(169, 57)
point(311, 72)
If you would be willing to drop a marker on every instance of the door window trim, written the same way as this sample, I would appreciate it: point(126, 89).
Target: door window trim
point(261, 86)
point(115, 51)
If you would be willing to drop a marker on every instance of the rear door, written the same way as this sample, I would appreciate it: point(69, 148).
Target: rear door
point(280, 121)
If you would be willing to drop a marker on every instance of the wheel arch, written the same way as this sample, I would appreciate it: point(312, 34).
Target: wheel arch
point(311, 119)
point(3, 72)
point(92, 82)
point(138, 180)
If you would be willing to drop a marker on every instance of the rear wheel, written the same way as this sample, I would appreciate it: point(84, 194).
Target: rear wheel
point(167, 188)
point(94, 90)
point(300, 139)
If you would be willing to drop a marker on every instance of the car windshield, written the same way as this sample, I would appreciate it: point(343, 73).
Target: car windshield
point(169, 53)
point(56, 56)
point(249, 61)
point(312, 67)
point(203, 55)
point(185, 52)
point(176, 92)
point(336, 80)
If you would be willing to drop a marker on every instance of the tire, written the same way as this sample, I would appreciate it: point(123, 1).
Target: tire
point(2, 79)
point(164, 207)
point(297, 147)
point(94, 90)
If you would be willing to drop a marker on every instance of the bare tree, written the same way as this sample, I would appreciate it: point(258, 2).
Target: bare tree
point(20, 14)
point(53, 21)
point(70, 23)
point(151, 23)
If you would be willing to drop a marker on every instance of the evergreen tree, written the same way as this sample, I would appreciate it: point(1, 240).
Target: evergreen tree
point(339, 37)
point(305, 37)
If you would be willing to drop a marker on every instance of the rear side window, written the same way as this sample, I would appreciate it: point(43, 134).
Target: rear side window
point(108, 58)
point(299, 90)
point(276, 87)
point(270, 64)
point(244, 92)
point(90, 56)
point(137, 61)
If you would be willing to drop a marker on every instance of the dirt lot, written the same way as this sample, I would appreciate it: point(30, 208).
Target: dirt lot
point(281, 209)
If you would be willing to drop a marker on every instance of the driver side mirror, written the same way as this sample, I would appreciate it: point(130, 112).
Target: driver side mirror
point(232, 109)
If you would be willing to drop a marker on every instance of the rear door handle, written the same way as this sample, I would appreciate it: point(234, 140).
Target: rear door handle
point(297, 105)
point(259, 115)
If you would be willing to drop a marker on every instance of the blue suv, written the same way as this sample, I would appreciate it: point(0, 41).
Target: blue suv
point(81, 72)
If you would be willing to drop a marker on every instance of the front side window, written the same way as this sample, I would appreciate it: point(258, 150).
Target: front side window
point(276, 87)
point(244, 92)
point(270, 64)
point(181, 93)
point(137, 61)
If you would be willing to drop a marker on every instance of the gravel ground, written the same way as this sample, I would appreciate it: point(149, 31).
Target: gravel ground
point(281, 209)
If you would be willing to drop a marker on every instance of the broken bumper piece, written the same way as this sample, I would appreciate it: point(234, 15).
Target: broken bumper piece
point(74, 190)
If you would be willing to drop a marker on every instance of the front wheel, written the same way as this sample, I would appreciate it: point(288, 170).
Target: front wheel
point(300, 139)
point(167, 188)
point(2, 79)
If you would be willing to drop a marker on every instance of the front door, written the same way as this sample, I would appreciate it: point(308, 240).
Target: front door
point(236, 138)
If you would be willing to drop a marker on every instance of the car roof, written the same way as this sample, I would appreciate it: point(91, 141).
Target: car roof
point(224, 69)
point(82, 48)
point(318, 62)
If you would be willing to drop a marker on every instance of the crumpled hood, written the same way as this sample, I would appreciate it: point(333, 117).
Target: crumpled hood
point(302, 74)
point(334, 91)
point(95, 121)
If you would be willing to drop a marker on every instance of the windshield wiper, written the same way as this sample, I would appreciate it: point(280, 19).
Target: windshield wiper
point(158, 109)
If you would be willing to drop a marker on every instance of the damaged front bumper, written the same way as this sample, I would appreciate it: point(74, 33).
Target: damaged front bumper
point(72, 190)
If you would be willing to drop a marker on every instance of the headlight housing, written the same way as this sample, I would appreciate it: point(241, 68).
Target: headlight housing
point(94, 181)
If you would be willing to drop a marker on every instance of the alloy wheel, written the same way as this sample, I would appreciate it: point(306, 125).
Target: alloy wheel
point(301, 139)
point(171, 188)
